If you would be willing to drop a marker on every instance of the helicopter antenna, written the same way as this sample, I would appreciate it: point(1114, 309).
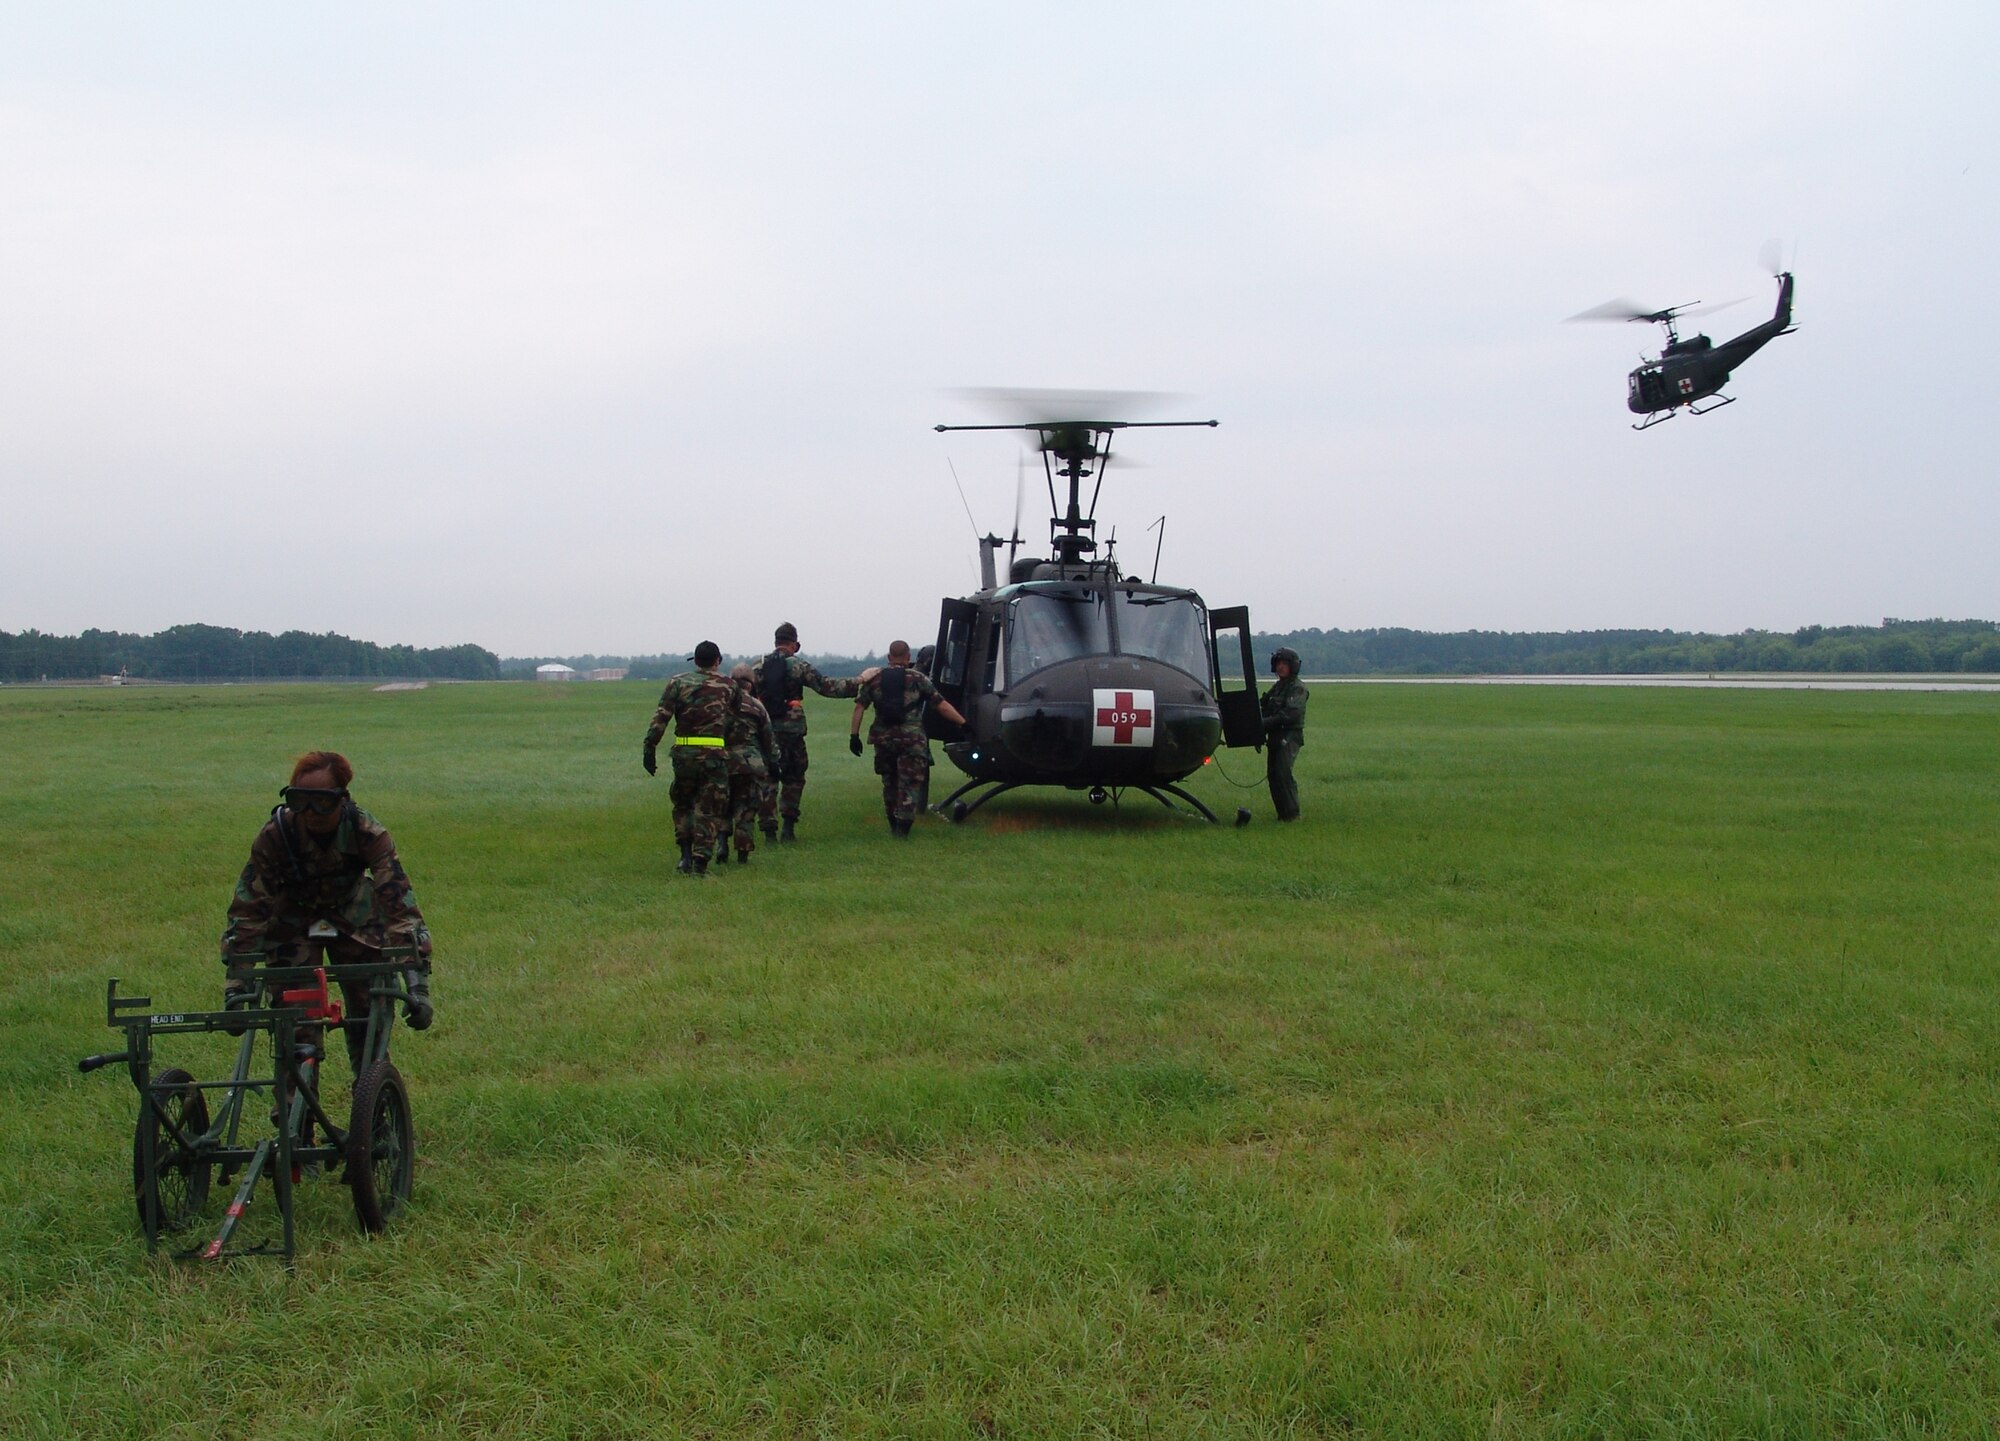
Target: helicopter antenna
point(1162, 524)
point(968, 504)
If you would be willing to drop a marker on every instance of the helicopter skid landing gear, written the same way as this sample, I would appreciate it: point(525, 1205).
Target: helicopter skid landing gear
point(958, 810)
point(1656, 418)
point(1716, 404)
point(1154, 791)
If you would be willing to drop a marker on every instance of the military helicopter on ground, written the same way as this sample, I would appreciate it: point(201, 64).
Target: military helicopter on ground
point(1070, 673)
point(1691, 370)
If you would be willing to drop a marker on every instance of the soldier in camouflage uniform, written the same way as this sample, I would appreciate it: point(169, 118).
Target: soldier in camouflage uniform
point(899, 693)
point(752, 750)
point(696, 703)
point(320, 857)
point(1284, 710)
point(782, 678)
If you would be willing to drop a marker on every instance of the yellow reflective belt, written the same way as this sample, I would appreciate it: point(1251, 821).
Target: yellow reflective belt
point(699, 741)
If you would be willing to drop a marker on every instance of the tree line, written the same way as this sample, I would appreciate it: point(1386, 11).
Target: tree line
point(207, 652)
point(210, 652)
point(1894, 646)
point(658, 667)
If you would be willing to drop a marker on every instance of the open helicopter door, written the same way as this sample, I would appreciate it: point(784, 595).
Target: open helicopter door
point(1235, 676)
point(951, 662)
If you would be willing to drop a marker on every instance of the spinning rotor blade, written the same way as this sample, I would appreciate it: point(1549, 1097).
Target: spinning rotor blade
point(1048, 407)
point(1020, 494)
point(1616, 310)
point(1630, 310)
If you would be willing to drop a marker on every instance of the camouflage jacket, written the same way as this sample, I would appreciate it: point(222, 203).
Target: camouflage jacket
point(753, 746)
point(909, 731)
point(790, 718)
point(1284, 711)
point(695, 703)
point(352, 878)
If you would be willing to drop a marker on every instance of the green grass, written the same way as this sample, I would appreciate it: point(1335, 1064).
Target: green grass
point(1586, 1062)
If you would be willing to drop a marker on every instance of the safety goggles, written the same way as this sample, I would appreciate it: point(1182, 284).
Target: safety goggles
point(313, 800)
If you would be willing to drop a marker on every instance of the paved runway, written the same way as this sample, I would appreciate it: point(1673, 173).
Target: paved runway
point(1990, 684)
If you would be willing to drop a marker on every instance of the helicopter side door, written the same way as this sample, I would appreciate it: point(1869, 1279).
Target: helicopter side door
point(1235, 676)
point(951, 662)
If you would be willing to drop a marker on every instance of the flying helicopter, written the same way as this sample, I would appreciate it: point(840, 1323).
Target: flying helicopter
point(1071, 673)
point(1690, 371)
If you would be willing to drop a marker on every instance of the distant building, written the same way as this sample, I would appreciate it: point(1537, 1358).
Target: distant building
point(609, 672)
point(554, 671)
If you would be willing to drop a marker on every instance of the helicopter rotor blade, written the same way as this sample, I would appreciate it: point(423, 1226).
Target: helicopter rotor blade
point(1772, 256)
point(1616, 310)
point(1020, 495)
point(1632, 310)
point(1039, 407)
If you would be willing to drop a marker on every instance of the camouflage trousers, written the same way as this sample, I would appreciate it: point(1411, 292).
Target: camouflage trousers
point(905, 768)
point(782, 798)
point(746, 793)
point(701, 798)
point(1279, 756)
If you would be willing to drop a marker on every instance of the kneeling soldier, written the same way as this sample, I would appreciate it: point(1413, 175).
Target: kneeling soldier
point(321, 858)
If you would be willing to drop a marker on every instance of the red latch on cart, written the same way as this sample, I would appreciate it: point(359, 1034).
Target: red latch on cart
point(319, 1005)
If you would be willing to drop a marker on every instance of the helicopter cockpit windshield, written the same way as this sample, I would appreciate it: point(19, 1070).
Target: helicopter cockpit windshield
point(1048, 627)
point(1170, 628)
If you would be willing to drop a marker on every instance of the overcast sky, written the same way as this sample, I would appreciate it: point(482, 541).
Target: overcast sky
point(608, 327)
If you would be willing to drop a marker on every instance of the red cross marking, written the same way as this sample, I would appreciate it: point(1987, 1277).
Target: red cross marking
point(1123, 717)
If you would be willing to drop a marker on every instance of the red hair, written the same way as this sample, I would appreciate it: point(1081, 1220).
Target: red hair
point(334, 761)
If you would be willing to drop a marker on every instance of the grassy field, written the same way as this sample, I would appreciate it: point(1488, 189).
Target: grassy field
point(1587, 1062)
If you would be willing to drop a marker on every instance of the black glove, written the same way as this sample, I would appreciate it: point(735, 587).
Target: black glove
point(418, 1013)
point(650, 762)
point(854, 744)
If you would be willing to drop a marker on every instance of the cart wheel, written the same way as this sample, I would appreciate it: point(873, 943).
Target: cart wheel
point(180, 1178)
point(381, 1147)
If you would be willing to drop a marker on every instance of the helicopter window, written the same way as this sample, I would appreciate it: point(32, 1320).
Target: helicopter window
point(950, 662)
point(1043, 629)
point(1170, 628)
point(992, 653)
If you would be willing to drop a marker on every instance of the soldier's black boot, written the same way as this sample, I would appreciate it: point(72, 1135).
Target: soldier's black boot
point(722, 856)
point(788, 834)
point(743, 855)
point(701, 868)
point(356, 1037)
point(770, 829)
point(686, 862)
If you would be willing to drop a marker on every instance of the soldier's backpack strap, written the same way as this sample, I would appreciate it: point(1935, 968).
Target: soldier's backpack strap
point(285, 840)
point(775, 674)
point(892, 699)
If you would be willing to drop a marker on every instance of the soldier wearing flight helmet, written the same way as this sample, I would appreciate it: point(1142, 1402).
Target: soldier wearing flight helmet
point(1283, 707)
